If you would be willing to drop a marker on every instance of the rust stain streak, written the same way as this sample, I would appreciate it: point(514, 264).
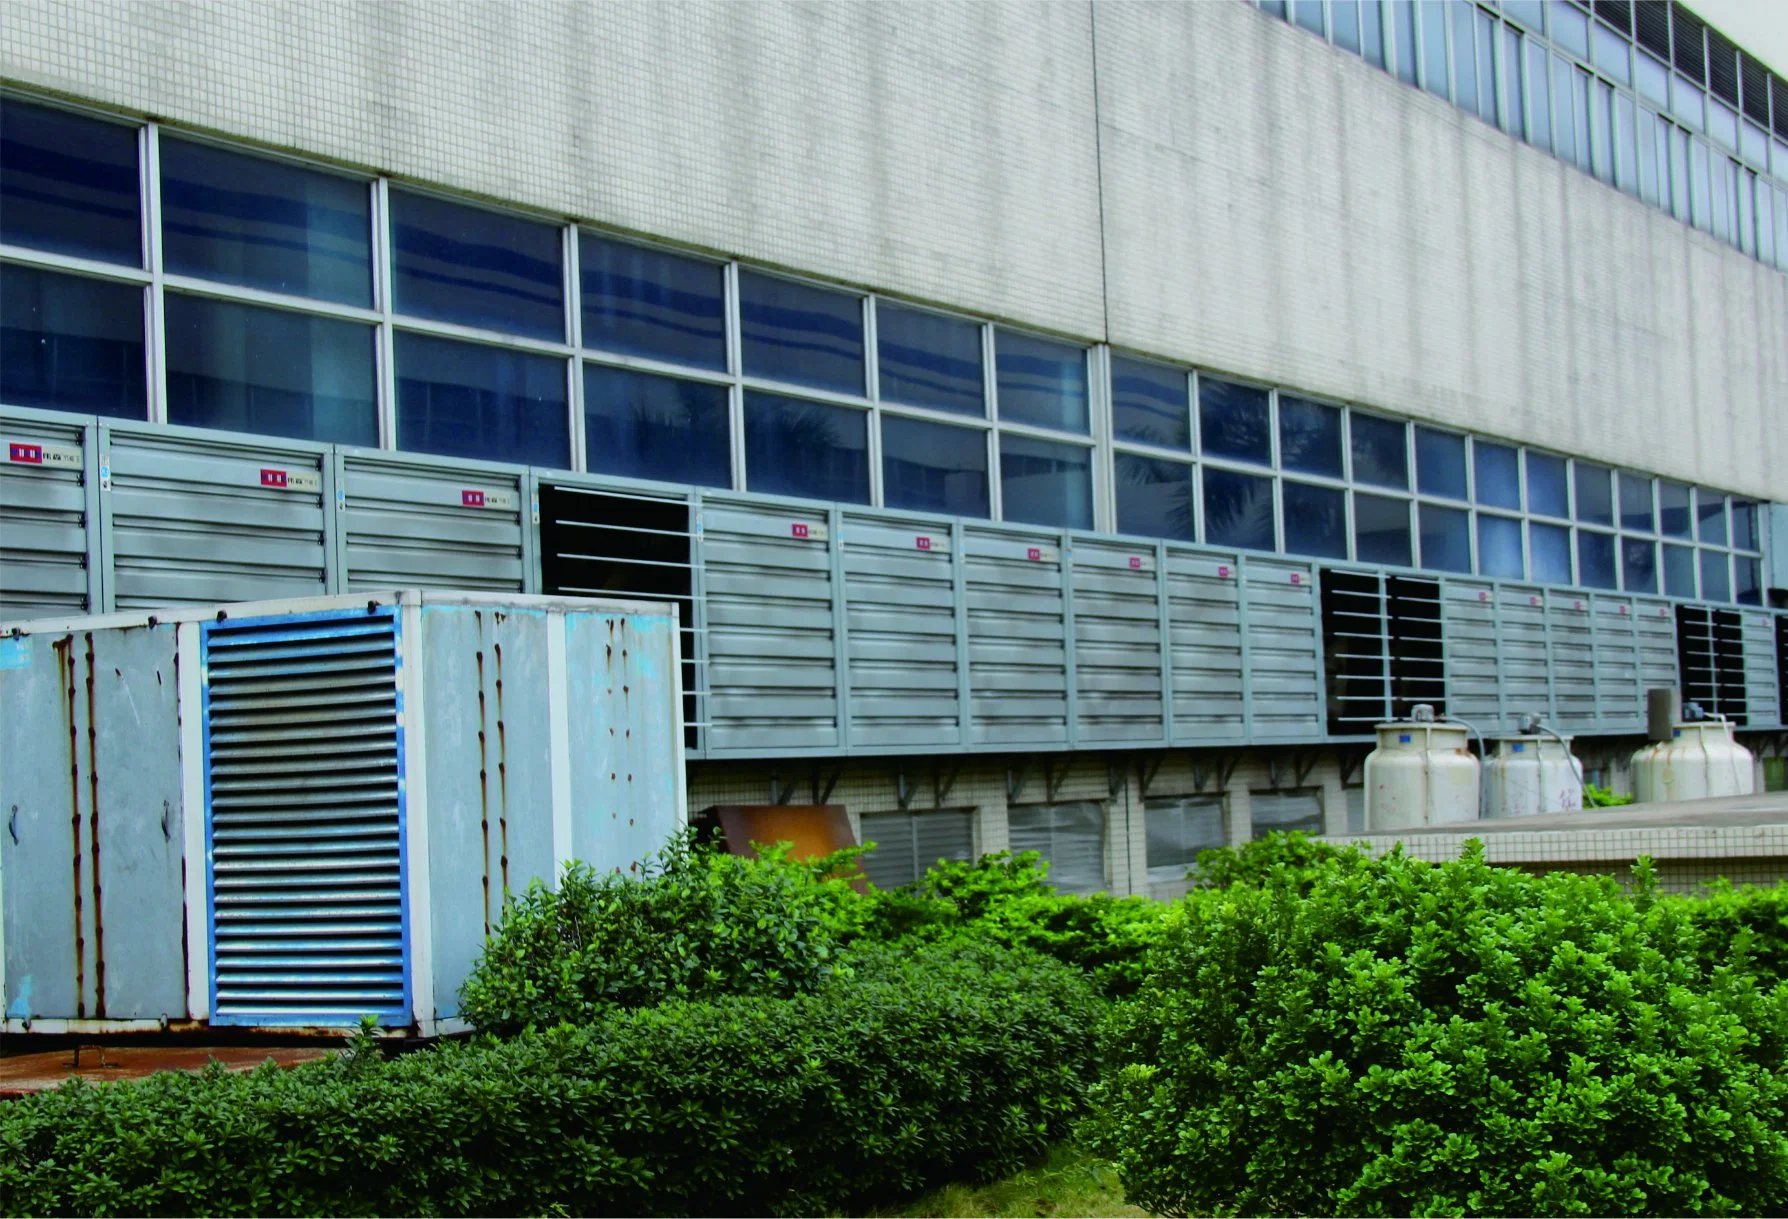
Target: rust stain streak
point(502, 777)
point(483, 786)
point(65, 665)
point(99, 922)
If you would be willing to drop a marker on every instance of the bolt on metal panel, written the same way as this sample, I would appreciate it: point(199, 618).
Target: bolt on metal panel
point(413, 523)
point(900, 605)
point(1017, 638)
point(47, 504)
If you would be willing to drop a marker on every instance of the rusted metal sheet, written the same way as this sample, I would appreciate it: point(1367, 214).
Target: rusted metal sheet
point(23, 1074)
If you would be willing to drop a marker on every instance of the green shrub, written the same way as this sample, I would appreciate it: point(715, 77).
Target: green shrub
point(697, 923)
point(1742, 926)
point(1404, 1038)
point(1603, 797)
point(948, 1063)
point(1275, 857)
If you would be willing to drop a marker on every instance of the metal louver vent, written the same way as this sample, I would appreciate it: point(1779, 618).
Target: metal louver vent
point(1652, 27)
point(1755, 79)
point(1687, 40)
point(1617, 13)
point(1722, 66)
point(304, 816)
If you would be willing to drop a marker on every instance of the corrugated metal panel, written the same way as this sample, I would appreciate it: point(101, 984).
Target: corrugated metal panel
point(1521, 613)
point(1620, 700)
point(1468, 616)
point(411, 523)
point(46, 504)
point(1018, 644)
point(1286, 811)
point(306, 865)
point(900, 609)
point(1762, 693)
point(1655, 630)
point(909, 844)
point(1117, 644)
point(1204, 626)
point(772, 628)
point(200, 520)
point(1573, 660)
point(1284, 698)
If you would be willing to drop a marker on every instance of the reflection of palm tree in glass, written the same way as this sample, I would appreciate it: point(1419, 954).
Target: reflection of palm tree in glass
point(1240, 508)
point(1176, 506)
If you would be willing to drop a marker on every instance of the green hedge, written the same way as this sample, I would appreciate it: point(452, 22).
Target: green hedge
point(1392, 1038)
point(949, 1063)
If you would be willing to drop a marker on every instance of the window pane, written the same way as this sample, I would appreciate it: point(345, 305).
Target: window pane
point(1154, 498)
point(1748, 581)
point(266, 370)
point(1744, 526)
point(1440, 463)
point(1539, 117)
point(1546, 485)
point(1497, 474)
point(1465, 60)
point(1177, 830)
point(1446, 538)
point(1042, 483)
point(1070, 836)
point(1232, 421)
point(1639, 565)
point(1595, 497)
point(1372, 32)
point(1527, 12)
point(1595, 559)
point(1309, 437)
point(1040, 381)
point(468, 400)
point(1570, 28)
point(264, 224)
point(71, 344)
point(1309, 14)
point(462, 264)
point(1679, 571)
point(934, 466)
point(1564, 140)
point(1710, 513)
point(927, 359)
point(1486, 66)
point(1434, 46)
point(1627, 139)
point(69, 184)
point(1580, 111)
point(801, 334)
point(1381, 530)
point(806, 448)
point(1654, 81)
point(1344, 15)
point(1380, 452)
point(1238, 509)
point(1403, 35)
point(1673, 499)
point(1601, 142)
point(1315, 520)
point(1149, 403)
point(1499, 547)
point(1716, 584)
point(645, 426)
point(647, 302)
point(1635, 503)
point(1549, 547)
point(1611, 52)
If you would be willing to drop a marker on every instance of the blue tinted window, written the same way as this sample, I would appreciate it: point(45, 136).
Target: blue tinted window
point(926, 359)
point(69, 184)
point(1639, 565)
point(1497, 474)
point(1315, 520)
point(1679, 571)
point(1528, 12)
point(1042, 483)
point(1040, 381)
point(1595, 496)
point(1440, 463)
point(1549, 546)
point(71, 344)
point(1238, 509)
point(1716, 584)
point(1595, 559)
point(1381, 530)
point(1346, 19)
point(1154, 498)
point(645, 426)
point(1372, 32)
point(1232, 421)
point(1710, 513)
point(1748, 581)
point(267, 370)
point(1446, 538)
point(1612, 53)
point(1380, 452)
point(1309, 437)
point(1570, 28)
point(468, 400)
point(1744, 525)
point(801, 334)
point(265, 224)
point(806, 448)
point(1546, 492)
point(934, 467)
point(1309, 14)
point(1403, 37)
point(1673, 501)
point(1149, 403)
point(1499, 547)
point(1635, 504)
point(647, 302)
point(1434, 46)
point(477, 268)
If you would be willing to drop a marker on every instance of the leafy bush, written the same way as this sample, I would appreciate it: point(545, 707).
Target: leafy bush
point(697, 923)
point(1275, 857)
point(1405, 1038)
point(1603, 797)
point(948, 1063)
point(1742, 927)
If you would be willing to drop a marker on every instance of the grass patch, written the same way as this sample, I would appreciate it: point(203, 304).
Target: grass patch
point(1068, 1181)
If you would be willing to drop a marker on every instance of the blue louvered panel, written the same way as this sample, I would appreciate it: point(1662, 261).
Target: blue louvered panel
point(1763, 700)
point(1620, 702)
point(1285, 698)
point(304, 816)
point(1468, 616)
point(1205, 629)
point(1526, 684)
point(900, 611)
point(1117, 643)
point(1655, 629)
point(1017, 638)
point(1573, 660)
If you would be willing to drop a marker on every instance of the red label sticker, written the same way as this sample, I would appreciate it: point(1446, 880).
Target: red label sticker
point(1297, 577)
point(1577, 605)
point(1664, 613)
point(273, 478)
point(1223, 572)
point(1135, 563)
point(797, 530)
point(1533, 600)
point(922, 543)
point(1034, 554)
point(1623, 609)
point(31, 454)
point(471, 499)
point(1483, 596)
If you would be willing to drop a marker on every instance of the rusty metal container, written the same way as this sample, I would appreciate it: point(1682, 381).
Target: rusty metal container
point(290, 814)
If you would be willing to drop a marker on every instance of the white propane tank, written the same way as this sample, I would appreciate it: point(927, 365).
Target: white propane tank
point(1422, 773)
point(1532, 774)
point(1699, 761)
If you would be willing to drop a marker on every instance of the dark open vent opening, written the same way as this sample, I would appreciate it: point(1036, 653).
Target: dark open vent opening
point(1418, 661)
point(1778, 93)
point(1711, 660)
point(1782, 664)
point(1651, 24)
point(1617, 13)
point(1755, 80)
point(1722, 66)
point(624, 546)
point(1382, 648)
point(1687, 30)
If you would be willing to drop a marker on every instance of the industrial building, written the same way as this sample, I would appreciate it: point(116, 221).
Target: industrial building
point(1062, 426)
